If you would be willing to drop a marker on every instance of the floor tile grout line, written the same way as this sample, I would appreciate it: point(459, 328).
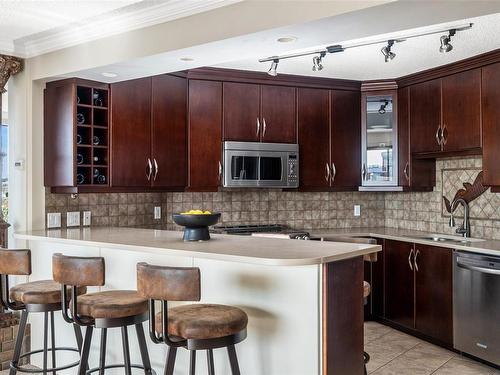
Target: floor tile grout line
point(396, 357)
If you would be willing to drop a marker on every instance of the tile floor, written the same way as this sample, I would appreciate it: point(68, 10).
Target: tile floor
point(396, 353)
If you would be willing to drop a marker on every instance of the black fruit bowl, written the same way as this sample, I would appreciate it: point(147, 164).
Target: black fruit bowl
point(196, 226)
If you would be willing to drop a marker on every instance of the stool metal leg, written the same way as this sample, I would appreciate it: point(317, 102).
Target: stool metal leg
point(102, 355)
point(19, 341)
point(45, 341)
point(143, 348)
point(79, 337)
point(192, 364)
point(169, 366)
point(53, 341)
point(210, 361)
point(126, 351)
point(84, 358)
point(233, 360)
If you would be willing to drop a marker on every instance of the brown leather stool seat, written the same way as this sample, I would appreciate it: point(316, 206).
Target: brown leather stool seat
point(112, 304)
point(203, 321)
point(40, 292)
point(366, 289)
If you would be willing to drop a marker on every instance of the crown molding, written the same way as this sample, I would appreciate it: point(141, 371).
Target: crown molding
point(113, 23)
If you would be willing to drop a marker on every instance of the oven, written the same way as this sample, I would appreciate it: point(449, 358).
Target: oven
point(261, 165)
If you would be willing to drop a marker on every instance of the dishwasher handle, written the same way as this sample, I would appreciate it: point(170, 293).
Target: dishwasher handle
point(465, 265)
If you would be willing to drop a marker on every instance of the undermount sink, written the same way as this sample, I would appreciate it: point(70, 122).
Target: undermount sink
point(450, 239)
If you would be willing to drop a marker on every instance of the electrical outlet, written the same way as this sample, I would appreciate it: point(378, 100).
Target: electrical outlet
point(87, 218)
point(54, 220)
point(73, 219)
point(157, 213)
point(357, 210)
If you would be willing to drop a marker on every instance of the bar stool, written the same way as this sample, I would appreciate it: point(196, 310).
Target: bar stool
point(193, 327)
point(366, 293)
point(104, 310)
point(37, 296)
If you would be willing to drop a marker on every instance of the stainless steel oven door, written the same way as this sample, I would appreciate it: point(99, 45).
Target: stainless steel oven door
point(255, 169)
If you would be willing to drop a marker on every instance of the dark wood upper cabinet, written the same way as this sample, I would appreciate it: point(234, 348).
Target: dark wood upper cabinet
point(241, 112)
point(313, 106)
point(425, 116)
point(404, 137)
point(491, 124)
point(461, 125)
point(131, 133)
point(278, 114)
point(414, 174)
point(345, 139)
point(399, 282)
point(433, 292)
point(205, 135)
point(169, 131)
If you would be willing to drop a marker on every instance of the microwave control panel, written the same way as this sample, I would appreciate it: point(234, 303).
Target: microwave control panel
point(293, 169)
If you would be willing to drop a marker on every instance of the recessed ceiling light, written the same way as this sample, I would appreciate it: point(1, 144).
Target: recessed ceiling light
point(187, 59)
point(109, 74)
point(287, 39)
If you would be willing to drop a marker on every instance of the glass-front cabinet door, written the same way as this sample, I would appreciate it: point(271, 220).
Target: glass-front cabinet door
point(379, 139)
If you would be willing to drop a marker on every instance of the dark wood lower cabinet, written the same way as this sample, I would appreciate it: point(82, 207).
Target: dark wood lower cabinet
point(399, 283)
point(419, 289)
point(433, 292)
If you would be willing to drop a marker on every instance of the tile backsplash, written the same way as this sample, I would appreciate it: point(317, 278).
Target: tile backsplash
point(420, 211)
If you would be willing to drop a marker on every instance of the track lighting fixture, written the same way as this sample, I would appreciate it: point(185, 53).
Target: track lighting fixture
point(445, 41)
point(384, 104)
point(273, 69)
point(317, 65)
point(386, 51)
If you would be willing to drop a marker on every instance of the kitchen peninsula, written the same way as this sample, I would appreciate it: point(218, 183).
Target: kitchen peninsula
point(304, 298)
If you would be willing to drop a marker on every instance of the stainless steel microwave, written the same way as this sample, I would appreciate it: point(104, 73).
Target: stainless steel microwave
point(261, 165)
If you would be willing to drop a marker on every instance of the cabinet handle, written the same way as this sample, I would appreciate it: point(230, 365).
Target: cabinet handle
point(150, 170)
point(220, 170)
point(264, 126)
point(156, 169)
point(444, 135)
point(327, 172)
point(258, 128)
point(334, 172)
point(405, 171)
point(409, 259)
point(438, 137)
point(363, 172)
point(415, 260)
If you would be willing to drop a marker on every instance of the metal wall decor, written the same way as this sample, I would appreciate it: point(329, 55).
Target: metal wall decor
point(468, 193)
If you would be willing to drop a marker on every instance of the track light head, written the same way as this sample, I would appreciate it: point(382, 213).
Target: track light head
point(445, 42)
point(386, 51)
point(317, 65)
point(273, 70)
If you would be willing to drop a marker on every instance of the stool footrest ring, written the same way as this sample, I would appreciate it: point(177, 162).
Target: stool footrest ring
point(18, 368)
point(108, 367)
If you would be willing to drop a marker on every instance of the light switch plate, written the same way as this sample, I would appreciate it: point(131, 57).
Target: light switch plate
point(54, 220)
point(87, 218)
point(357, 210)
point(73, 219)
point(157, 213)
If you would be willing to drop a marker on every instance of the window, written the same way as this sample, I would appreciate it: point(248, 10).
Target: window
point(4, 154)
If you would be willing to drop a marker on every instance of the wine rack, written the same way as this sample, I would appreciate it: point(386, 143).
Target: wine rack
point(92, 136)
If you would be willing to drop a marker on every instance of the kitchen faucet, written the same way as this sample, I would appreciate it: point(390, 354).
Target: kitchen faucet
point(464, 229)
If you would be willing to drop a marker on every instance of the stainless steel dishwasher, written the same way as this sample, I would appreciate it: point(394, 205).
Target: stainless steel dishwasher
point(476, 305)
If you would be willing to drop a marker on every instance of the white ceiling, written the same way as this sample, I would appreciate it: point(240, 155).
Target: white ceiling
point(388, 20)
point(29, 28)
point(412, 55)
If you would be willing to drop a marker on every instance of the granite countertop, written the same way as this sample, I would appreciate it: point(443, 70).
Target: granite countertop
point(244, 249)
point(487, 247)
